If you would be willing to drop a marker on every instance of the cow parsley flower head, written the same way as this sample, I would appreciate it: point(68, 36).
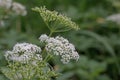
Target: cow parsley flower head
point(23, 52)
point(6, 3)
point(26, 48)
point(60, 46)
point(56, 21)
point(65, 58)
point(43, 38)
point(19, 9)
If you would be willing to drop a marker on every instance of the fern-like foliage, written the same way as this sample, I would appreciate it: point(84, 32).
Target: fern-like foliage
point(56, 22)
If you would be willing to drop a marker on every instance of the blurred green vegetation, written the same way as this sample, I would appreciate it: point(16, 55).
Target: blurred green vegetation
point(98, 41)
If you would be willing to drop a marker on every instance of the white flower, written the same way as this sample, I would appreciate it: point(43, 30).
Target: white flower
point(43, 38)
point(75, 56)
point(19, 9)
point(38, 57)
point(8, 54)
point(5, 3)
point(62, 39)
point(60, 46)
point(65, 58)
point(2, 23)
point(26, 48)
point(24, 52)
point(114, 18)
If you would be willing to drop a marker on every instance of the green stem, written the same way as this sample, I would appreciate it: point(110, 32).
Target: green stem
point(14, 71)
point(18, 25)
point(47, 58)
point(51, 32)
point(22, 73)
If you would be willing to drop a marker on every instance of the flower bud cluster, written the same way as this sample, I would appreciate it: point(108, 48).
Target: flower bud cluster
point(60, 46)
point(24, 52)
point(59, 19)
point(18, 8)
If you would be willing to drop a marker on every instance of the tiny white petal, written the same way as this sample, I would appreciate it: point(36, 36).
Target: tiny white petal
point(5, 3)
point(19, 9)
point(43, 38)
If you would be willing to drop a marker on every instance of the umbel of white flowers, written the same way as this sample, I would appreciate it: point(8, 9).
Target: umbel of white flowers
point(114, 17)
point(18, 8)
point(23, 53)
point(6, 3)
point(26, 52)
point(59, 47)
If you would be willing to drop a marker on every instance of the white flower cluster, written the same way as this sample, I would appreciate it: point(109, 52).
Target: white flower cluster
point(2, 23)
point(114, 18)
point(24, 52)
point(6, 3)
point(43, 38)
point(18, 8)
point(60, 47)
